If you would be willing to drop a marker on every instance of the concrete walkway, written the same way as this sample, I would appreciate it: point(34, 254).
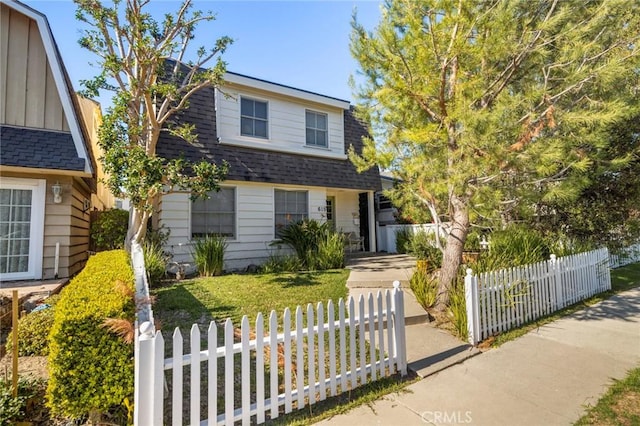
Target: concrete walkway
point(546, 377)
point(429, 349)
point(28, 288)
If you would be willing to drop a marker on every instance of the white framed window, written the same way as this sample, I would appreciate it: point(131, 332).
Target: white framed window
point(289, 206)
point(215, 215)
point(254, 118)
point(316, 128)
point(21, 228)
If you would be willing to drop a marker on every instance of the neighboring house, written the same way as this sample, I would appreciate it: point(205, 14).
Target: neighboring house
point(287, 150)
point(48, 180)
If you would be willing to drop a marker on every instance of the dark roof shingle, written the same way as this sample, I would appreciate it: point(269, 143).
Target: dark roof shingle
point(43, 149)
point(255, 165)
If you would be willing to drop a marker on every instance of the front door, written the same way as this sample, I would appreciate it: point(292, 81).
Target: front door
point(331, 208)
point(21, 228)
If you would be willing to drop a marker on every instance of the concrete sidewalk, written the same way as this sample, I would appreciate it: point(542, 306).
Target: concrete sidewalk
point(546, 377)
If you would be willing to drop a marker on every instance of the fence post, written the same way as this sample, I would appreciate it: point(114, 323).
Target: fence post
point(145, 313)
point(148, 376)
point(557, 278)
point(472, 305)
point(400, 342)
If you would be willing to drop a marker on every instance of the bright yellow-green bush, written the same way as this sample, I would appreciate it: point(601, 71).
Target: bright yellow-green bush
point(91, 367)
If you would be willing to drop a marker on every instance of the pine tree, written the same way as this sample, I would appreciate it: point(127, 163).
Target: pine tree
point(480, 106)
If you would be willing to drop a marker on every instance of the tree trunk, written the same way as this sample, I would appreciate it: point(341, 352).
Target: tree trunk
point(137, 227)
point(453, 251)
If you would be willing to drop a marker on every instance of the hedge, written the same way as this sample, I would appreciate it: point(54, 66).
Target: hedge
point(91, 368)
point(33, 332)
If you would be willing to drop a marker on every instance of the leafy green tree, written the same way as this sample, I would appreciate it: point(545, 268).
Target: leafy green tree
point(481, 106)
point(143, 62)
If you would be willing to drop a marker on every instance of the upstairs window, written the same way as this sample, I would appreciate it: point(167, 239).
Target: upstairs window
point(290, 207)
point(215, 216)
point(316, 129)
point(253, 118)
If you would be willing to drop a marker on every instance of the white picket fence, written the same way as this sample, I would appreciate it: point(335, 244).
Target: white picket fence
point(625, 256)
point(321, 357)
point(498, 301)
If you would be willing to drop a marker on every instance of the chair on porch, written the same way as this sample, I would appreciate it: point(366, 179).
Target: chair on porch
point(353, 242)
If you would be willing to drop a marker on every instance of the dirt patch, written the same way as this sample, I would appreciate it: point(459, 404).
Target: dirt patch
point(627, 408)
point(34, 366)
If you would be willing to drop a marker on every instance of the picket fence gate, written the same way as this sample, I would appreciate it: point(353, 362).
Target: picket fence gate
point(498, 301)
point(318, 339)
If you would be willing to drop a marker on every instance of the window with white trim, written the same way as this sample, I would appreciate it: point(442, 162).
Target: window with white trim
point(316, 126)
point(254, 118)
point(290, 207)
point(15, 230)
point(216, 215)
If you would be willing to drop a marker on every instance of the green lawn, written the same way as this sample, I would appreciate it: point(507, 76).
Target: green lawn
point(201, 300)
point(619, 406)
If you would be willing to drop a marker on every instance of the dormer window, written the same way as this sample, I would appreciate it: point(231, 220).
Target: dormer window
point(253, 118)
point(316, 123)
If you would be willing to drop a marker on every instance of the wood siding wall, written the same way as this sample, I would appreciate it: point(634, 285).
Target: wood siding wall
point(287, 128)
point(67, 224)
point(29, 94)
point(254, 220)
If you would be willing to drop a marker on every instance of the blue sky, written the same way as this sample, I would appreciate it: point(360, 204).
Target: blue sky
point(304, 44)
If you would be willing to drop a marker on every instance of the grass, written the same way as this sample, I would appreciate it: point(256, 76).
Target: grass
point(622, 279)
point(202, 300)
point(620, 405)
point(345, 402)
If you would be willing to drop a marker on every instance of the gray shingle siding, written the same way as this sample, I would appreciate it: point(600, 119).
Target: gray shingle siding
point(43, 149)
point(254, 165)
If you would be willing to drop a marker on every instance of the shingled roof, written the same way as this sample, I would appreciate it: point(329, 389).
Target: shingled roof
point(43, 149)
point(255, 165)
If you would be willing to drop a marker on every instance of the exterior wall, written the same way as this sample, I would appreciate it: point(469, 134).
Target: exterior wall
point(64, 223)
point(346, 206)
point(92, 117)
point(286, 123)
point(29, 94)
point(254, 220)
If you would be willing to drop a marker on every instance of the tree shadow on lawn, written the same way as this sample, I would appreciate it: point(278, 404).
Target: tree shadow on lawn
point(176, 306)
point(299, 280)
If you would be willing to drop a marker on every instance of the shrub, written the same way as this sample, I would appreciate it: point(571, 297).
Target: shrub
point(109, 230)
point(276, 264)
point(155, 261)
point(304, 238)
point(91, 367)
point(422, 246)
point(513, 246)
point(330, 253)
point(425, 287)
point(33, 331)
point(209, 255)
point(457, 310)
point(403, 237)
point(13, 410)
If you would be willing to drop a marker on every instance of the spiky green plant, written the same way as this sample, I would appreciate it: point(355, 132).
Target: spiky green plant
point(425, 288)
point(208, 255)
point(330, 253)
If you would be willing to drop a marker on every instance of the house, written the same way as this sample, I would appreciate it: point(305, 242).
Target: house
point(287, 151)
point(48, 176)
